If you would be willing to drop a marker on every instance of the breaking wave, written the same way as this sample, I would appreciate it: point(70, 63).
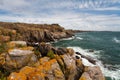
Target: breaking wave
point(111, 74)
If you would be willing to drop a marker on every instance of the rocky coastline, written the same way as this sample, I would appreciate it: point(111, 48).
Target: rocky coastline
point(25, 55)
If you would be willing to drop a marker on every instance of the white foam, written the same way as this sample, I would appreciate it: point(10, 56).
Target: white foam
point(70, 38)
point(86, 62)
point(115, 75)
point(79, 38)
point(116, 40)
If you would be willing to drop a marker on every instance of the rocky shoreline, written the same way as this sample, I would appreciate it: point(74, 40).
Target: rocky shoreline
point(25, 55)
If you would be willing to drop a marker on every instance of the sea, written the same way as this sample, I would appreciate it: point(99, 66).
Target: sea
point(102, 46)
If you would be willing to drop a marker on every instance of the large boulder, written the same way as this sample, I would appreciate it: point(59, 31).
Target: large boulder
point(73, 68)
point(92, 73)
point(45, 48)
point(18, 58)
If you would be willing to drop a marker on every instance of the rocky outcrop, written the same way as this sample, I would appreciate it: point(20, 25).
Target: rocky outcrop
point(33, 32)
point(18, 58)
point(57, 66)
point(37, 60)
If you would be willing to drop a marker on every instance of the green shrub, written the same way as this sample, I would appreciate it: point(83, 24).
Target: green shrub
point(2, 76)
point(20, 45)
point(50, 54)
point(37, 53)
point(3, 47)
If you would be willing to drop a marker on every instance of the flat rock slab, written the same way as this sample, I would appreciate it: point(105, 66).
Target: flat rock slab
point(19, 52)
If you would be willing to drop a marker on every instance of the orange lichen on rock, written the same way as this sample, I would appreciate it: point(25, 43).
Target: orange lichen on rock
point(82, 78)
point(58, 73)
point(11, 45)
point(43, 60)
point(36, 76)
point(13, 31)
point(27, 48)
point(47, 65)
point(17, 76)
point(26, 70)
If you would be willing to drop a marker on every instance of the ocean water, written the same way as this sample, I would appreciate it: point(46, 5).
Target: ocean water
point(104, 47)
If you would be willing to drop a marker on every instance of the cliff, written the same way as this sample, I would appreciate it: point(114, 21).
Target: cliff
point(21, 58)
point(33, 32)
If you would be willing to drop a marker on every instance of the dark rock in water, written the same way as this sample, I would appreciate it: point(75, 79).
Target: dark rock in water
point(33, 44)
point(110, 67)
point(61, 51)
point(88, 58)
point(77, 53)
point(91, 50)
point(77, 57)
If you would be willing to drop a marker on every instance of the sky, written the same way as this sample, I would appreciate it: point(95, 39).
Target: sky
point(100, 15)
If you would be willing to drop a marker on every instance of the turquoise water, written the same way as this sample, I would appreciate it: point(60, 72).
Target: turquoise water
point(106, 46)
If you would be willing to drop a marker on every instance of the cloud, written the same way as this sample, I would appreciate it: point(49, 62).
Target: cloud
point(75, 21)
point(72, 14)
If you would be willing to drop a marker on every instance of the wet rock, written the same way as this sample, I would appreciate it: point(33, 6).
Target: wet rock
point(87, 57)
point(77, 57)
point(77, 53)
point(91, 50)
